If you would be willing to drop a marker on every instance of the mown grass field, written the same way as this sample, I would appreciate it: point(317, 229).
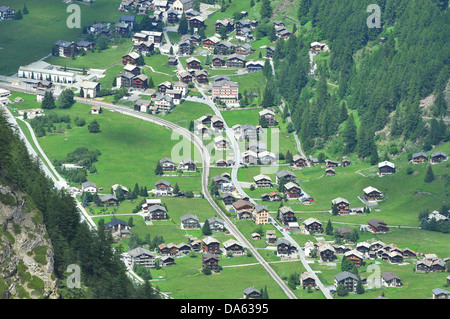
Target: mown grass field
point(127, 143)
point(30, 39)
point(97, 59)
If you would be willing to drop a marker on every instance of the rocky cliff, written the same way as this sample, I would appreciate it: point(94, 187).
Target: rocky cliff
point(26, 255)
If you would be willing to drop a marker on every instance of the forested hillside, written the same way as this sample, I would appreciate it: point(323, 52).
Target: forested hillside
point(102, 272)
point(379, 84)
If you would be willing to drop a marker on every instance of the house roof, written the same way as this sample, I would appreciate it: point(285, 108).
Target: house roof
point(115, 222)
point(440, 291)
point(140, 251)
point(376, 223)
point(250, 290)
point(188, 216)
point(164, 182)
point(107, 197)
point(370, 189)
point(230, 242)
point(353, 252)
point(386, 163)
point(439, 153)
point(261, 177)
point(285, 209)
point(88, 184)
point(209, 240)
point(241, 204)
point(284, 173)
point(419, 154)
point(344, 275)
point(166, 160)
point(215, 220)
point(156, 207)
point(291, 185)
point(340, 200)
point(311, 220)
point(260, 208)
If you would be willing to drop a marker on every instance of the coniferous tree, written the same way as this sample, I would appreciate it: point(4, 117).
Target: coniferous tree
point(329, 228)
point(49, 101)
point(94, 127)
point(183, 27)
point(206, 230)
point(429, 177)
point(25, 9)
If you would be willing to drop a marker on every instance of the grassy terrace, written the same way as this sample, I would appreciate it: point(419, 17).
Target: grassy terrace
point(46, 17)
point(131, 144)
point(98, 59)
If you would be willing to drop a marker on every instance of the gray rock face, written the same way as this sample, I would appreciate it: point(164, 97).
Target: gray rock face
point(26, 254)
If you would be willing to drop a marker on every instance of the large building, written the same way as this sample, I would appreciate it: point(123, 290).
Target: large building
point(226, 91)
point(43, 71)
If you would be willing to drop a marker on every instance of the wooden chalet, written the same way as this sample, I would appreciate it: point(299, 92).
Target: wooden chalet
point(116, 226)
point(285, 248)
point(210, 43)
point(326, 253)
point(216, 224)
point(167, 261)
point(243, 49)
point(228, 24)
point(438, 157)
point(236, 61)
point(343, 205)
point(193, 63)
point(157, 212)
point(270, 51)
point(130, 58)
point(218, 61)
point(185, 77)
point(167, 164)
point(262, 181)
point(243, 209)
point(224, 47)
point(419, 158)
point(108, 200)
point(386, 168)
point(313, 225)
point(288, 176)
point(234, 247)
point(251, 293)
point(346, 162)
point(292, 190)
point(298, 161)
point(163, 188)
point(211, 261)
point(140, 82)
point(189, 221)
point(197, 22)
point(395, 257)
point(172, 17)
point(201, 76)
point(274, 197)
point(330, 172)
point(363, 248)
point(346, 278)
point(372, 194)
point(286, 215)
point(307, 280)
point(378, 226)
point(271, 237)
point(355, 256)
point(211, 245)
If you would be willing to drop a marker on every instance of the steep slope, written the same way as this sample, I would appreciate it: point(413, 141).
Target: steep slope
point(26, 255)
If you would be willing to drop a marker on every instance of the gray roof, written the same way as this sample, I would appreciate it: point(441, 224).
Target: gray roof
point(163, 181)
point(115, 222)
point(344, 275)
point(188, 216)
point(259, 208)
point(221, 83)
point(284, 173)
point(285, 209)
point(236, 56)
point(63, 43)
point(88, 184)
point(126, 18)
point(387, 276)
point(438, 153)
point(439, 291)
point(140, 251)
point(419, 154)
point(156, 207)
point(107, 197)
point(83, 43)
point(250, 290)
point(215, 220)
